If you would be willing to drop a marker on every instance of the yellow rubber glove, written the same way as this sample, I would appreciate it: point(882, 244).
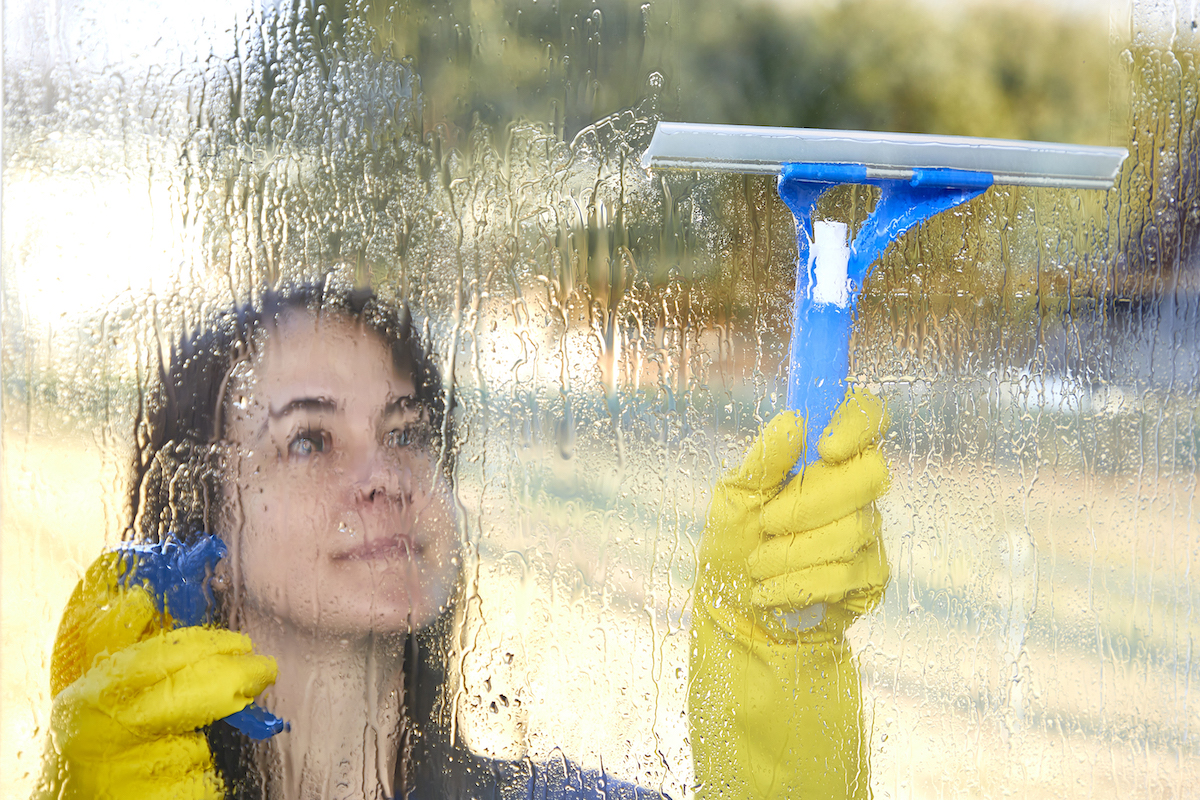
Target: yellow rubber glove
point(785, 567)
point(127, 727)
point(101, 618)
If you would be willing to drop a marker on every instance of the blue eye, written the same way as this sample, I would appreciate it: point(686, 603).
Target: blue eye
point(414, 435)
point(308, 442)
point(399, 437)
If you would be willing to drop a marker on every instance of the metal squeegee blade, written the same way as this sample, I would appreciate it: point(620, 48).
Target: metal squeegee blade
point(759, 150)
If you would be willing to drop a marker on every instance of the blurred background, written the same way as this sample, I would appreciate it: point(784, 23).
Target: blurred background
point(615, 338)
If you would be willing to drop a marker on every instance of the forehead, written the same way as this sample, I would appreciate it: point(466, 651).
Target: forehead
point(329, 355)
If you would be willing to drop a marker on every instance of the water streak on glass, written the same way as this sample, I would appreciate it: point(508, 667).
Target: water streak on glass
point(612, 341)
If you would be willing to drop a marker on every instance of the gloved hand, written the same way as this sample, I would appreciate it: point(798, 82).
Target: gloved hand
point(101, 618)
point(127, 727)
point(785, 567)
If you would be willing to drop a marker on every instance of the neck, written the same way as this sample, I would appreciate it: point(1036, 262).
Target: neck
point(344, 701)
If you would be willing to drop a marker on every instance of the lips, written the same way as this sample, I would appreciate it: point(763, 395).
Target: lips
point(393, 548)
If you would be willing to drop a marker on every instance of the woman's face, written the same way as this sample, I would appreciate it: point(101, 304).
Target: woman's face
point(336, 511)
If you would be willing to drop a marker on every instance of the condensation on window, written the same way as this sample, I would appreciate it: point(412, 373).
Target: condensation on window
point(610, 341)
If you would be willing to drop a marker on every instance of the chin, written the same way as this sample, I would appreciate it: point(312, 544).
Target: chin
point(387, 610)
point(350, 621)
point(359, 598)
point(379, 621)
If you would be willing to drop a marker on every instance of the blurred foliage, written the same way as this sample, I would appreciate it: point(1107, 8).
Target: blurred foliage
point(998, 70)
point(983, 70)
point(489, 73)
point(1158, 230)
point(351, 130)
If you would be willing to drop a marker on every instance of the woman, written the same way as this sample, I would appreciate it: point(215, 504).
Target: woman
point(309, 430)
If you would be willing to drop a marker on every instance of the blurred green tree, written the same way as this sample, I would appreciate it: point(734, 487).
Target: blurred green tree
point(983, 70)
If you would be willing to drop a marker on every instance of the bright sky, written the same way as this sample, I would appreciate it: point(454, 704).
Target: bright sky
point(79, 234)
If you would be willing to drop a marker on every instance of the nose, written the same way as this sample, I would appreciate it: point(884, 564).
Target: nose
point(378, 478)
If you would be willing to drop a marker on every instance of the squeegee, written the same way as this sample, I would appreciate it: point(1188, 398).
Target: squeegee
point(919, 176)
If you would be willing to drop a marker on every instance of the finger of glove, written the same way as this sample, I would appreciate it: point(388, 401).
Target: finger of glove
point(145, 663)
point(827, 583)
point(140, 666)
point(175, 681)
point(169, 767)
point(83, 637)
point(840, 540)
point(774, 452)
point(859, 603)
point(823, 493)
point(201, 786)
point(213, 687)
point(857, 424)
point(121, 760)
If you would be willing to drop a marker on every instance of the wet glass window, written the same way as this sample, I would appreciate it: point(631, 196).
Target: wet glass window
point(356, 335)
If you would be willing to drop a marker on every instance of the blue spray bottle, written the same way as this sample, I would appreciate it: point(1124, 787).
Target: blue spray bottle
point(178, 576)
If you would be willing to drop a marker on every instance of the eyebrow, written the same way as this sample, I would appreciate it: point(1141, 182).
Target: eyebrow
point(324, 405)
point(402, 404)
point(308, 404)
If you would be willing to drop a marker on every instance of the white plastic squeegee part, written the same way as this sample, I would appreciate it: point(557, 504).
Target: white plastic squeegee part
point(828, 263)
point(756, 150)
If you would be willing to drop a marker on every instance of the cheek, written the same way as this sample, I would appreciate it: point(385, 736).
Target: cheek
point(438, 518)
point(447, 559)
point(276, 523)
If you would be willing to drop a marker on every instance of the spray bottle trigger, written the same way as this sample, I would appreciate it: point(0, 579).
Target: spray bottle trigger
point(257, 723)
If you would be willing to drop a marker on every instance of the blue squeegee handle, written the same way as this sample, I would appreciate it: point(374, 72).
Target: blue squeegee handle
point(178, 576)
point(820, 347)
point(819, 358)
